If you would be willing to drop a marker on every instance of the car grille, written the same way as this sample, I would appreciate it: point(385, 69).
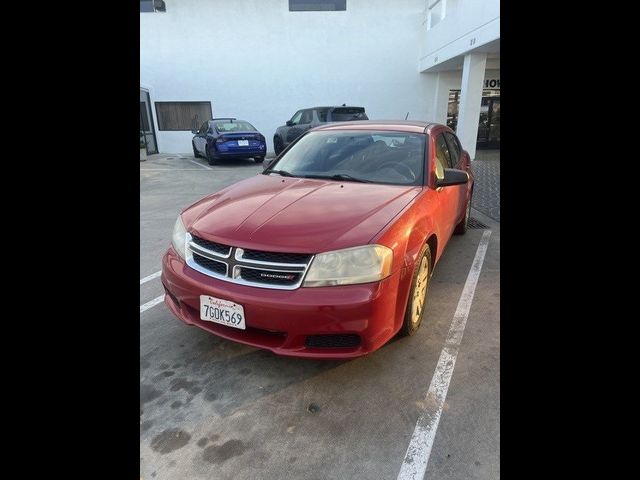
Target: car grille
point(215, 266)
point(276, 257)
point(255, 268)
point(213, 246)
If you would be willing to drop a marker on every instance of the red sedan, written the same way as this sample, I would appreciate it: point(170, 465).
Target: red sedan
point(329, 252)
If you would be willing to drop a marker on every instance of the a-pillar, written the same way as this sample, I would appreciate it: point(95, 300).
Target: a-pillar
point(470, 100)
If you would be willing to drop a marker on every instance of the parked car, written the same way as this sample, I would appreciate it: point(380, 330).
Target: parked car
point(308, 118)
point(221, 138)
point(329, 252)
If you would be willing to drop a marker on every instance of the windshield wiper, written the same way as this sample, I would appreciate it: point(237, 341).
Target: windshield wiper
point(339, 176)
point(284, 173)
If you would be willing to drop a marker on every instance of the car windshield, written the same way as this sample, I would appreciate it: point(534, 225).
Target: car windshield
point(229, 126)
point(396, 158)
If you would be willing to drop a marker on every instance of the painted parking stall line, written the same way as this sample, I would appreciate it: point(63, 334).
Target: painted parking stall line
point(414, 465)
point(152, 303)
point(200, 165)
point(150, 277)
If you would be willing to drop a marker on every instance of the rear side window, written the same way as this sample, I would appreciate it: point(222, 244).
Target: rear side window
point(322, 114)
point(307, 116)
point(454, 149)
point(344, 114)
point(442, 151)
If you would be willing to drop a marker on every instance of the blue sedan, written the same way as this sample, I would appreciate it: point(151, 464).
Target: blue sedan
point(221, 138)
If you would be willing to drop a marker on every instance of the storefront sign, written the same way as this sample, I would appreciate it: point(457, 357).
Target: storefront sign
point(492, 83)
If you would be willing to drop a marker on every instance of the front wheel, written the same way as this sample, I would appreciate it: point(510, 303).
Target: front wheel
point(418, 294)
point(277, 145)
point(195, 152)
point(258, 159)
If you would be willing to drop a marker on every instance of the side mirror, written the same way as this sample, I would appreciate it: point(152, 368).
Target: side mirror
point(194, 131)
point(453, 176)
point(267, 162)
point(290, 123)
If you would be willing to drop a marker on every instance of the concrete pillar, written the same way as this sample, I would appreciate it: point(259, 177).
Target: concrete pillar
point(470, 100)
point(440, 100)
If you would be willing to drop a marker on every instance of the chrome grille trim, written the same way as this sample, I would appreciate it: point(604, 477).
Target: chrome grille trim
point(234, 262)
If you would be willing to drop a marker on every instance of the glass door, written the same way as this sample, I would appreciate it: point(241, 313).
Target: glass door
point(147, 132)
point(489, 126)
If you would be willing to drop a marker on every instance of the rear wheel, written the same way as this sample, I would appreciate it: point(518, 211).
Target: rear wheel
point(211, 160)
point(277, 145)
point(195, 152)
point(418, 294)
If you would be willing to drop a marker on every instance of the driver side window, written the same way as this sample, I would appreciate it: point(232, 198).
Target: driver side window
point(441, 157)
point(296, 118)
point(203, 128)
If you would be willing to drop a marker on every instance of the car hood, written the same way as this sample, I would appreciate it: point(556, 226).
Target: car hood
point(273, 213)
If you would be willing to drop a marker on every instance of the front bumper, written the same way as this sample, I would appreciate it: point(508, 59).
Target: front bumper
point(281, 320)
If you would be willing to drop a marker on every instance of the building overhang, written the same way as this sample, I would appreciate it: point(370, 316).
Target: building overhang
point(451, 56)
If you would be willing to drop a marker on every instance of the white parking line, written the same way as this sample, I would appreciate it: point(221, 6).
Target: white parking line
point(150, 277)
point(146, 306)
point(199, 164)
point(416, 459)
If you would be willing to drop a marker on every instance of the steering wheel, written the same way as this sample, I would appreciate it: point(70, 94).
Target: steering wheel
point(395, 165)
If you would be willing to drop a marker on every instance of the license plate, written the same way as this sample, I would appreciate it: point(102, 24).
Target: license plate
point(220, 311)
point(243, 143)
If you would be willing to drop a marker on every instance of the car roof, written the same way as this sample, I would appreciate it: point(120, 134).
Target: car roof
point(332, 106)
point(414, 126)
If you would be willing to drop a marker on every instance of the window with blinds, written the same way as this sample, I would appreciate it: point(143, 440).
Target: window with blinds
point(182, 115)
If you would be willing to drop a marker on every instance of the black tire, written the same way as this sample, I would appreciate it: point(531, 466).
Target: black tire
point(211, 159)
point(463, 226)
point(258, 159)
point(412, 322)
point(277, 145)
point(195, 152)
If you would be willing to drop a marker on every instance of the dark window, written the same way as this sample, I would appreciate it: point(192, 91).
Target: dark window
point(316, 5)
point(307, 116)
point(442, 156)
point(204, 127)
point(182, 115)
point(296, 117)
point(344, 114)
point(152, 6)
point(322, 114)
point(144, 119)
point(454, 149)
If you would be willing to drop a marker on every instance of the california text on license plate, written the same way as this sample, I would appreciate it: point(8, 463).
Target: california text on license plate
point(220, 311)
point(243, 143)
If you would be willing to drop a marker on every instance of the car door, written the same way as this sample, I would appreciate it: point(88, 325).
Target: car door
point(302, 125)
point(291, 132)
point(449, 197)
point(458, 161)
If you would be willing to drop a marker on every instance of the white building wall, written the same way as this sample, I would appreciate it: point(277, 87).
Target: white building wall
point(255, 60)
point(467, 25)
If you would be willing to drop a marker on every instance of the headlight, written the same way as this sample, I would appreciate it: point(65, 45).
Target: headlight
point(351, 265)
point(179, 237)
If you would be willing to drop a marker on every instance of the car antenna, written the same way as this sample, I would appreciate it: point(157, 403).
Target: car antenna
point(407, 116)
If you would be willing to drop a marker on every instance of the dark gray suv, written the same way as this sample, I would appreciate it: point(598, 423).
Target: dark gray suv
point(308, 118)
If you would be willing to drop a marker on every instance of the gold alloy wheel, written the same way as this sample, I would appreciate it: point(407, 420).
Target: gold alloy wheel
point(420, 292)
